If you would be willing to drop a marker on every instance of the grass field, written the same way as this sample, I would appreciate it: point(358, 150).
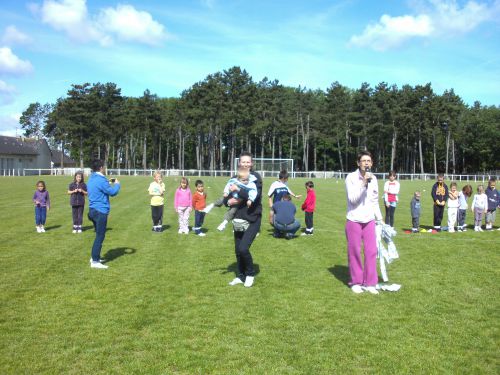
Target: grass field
point(164, 306)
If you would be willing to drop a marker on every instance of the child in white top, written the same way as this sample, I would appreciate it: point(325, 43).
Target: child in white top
point(391, 191)
point(479, 207)
point(453, 205)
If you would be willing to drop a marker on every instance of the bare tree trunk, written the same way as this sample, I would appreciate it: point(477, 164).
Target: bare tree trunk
point(420, 152)
point(179, 151)
point(340, 155)
point(347, 146)
point(262, 140)
point(144, 151)
point(221, 149)
point(315, 158)
point(453, 155)
point(291, 147)
point(166, 154)
point(81, 152)
point(448, 134)
point(434, 152)
point(393, 150)
point(159, 152)
point(62, 154)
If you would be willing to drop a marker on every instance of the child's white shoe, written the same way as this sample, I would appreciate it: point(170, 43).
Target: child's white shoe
point(39, 230)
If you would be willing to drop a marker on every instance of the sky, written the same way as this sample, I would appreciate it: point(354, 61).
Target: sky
point(167, 46)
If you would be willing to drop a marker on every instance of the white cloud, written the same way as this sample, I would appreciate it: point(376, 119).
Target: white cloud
point(7, 93)
point(449, 18)
point(129, 24)
point(9, 124)
point(12, 36)
point(71, 16)
point(440, 18)
point(123, 22)
point(393, 31)
point(11, 64)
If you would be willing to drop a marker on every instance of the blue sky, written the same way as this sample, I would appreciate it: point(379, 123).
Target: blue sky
point(166, 46)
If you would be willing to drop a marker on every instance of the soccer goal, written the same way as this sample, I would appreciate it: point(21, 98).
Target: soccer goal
point(269, 164)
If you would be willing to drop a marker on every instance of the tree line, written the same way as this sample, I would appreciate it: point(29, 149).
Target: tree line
point(410, 129)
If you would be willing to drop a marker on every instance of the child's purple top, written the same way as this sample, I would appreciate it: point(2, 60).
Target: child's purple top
point(42, 197)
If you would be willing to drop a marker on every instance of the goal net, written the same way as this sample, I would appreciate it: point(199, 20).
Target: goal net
point(269, 164)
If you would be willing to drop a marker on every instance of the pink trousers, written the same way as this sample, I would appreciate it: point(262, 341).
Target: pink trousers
point(355, 233)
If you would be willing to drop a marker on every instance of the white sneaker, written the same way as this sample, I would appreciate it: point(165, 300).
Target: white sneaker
point(39, 230)
point(236, 281)
point(488, 226)
point(371, 289)
point(98, 265)
point(249, 281)
point(476, 229)
point(222, 226)
point(74, 230)
point(357, 289)
point(208, 208)
point(100, 260)
point(180, 231)
point(451, 230)
point(201, 234)
point(42, 229)
point(186, 231)
point(79, 231)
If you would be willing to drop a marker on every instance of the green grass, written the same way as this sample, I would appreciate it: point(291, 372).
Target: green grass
point(164, 306)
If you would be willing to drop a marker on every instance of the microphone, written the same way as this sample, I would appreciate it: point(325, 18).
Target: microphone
point(368, 170)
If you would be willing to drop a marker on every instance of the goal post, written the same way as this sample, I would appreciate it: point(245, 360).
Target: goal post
point(269, 164)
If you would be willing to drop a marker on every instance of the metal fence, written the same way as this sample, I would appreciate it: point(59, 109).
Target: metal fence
point(216, 173)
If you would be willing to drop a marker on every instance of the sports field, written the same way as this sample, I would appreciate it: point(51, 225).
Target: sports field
point(164, 306)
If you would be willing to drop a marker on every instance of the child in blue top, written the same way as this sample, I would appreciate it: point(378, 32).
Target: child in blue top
point(41, 200)
point(244, 180)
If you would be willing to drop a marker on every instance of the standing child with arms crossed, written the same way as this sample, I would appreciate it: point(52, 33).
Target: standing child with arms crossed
point(308, 207)
point(157, 191)
point(78, 190)
point(41, 200)
point(391, 191)
point(183, 205)
point(415, 207)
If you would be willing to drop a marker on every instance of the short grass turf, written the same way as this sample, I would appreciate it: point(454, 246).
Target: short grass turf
point(164, 306)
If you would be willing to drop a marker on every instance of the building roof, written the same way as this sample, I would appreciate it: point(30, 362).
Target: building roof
point(19, 145)
point(56, 158)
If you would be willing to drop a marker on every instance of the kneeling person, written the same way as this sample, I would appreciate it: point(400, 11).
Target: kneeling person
point(284, 221)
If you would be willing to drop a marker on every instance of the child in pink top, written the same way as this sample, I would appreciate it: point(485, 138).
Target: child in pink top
point(183, 205)
point(308, 207)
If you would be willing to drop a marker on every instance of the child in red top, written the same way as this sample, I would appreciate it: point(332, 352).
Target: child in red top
point(199, 204)
point(308, 207)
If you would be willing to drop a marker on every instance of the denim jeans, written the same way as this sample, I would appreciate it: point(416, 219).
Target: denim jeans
point(100, 222)
point(199, 217)
point(40, 215)
point(286, 228)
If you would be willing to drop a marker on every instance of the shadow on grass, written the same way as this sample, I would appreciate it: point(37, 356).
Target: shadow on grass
point(118, 252)
point(341, 273)
point(52, 227)
point(87, 227)
point(233, 268)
